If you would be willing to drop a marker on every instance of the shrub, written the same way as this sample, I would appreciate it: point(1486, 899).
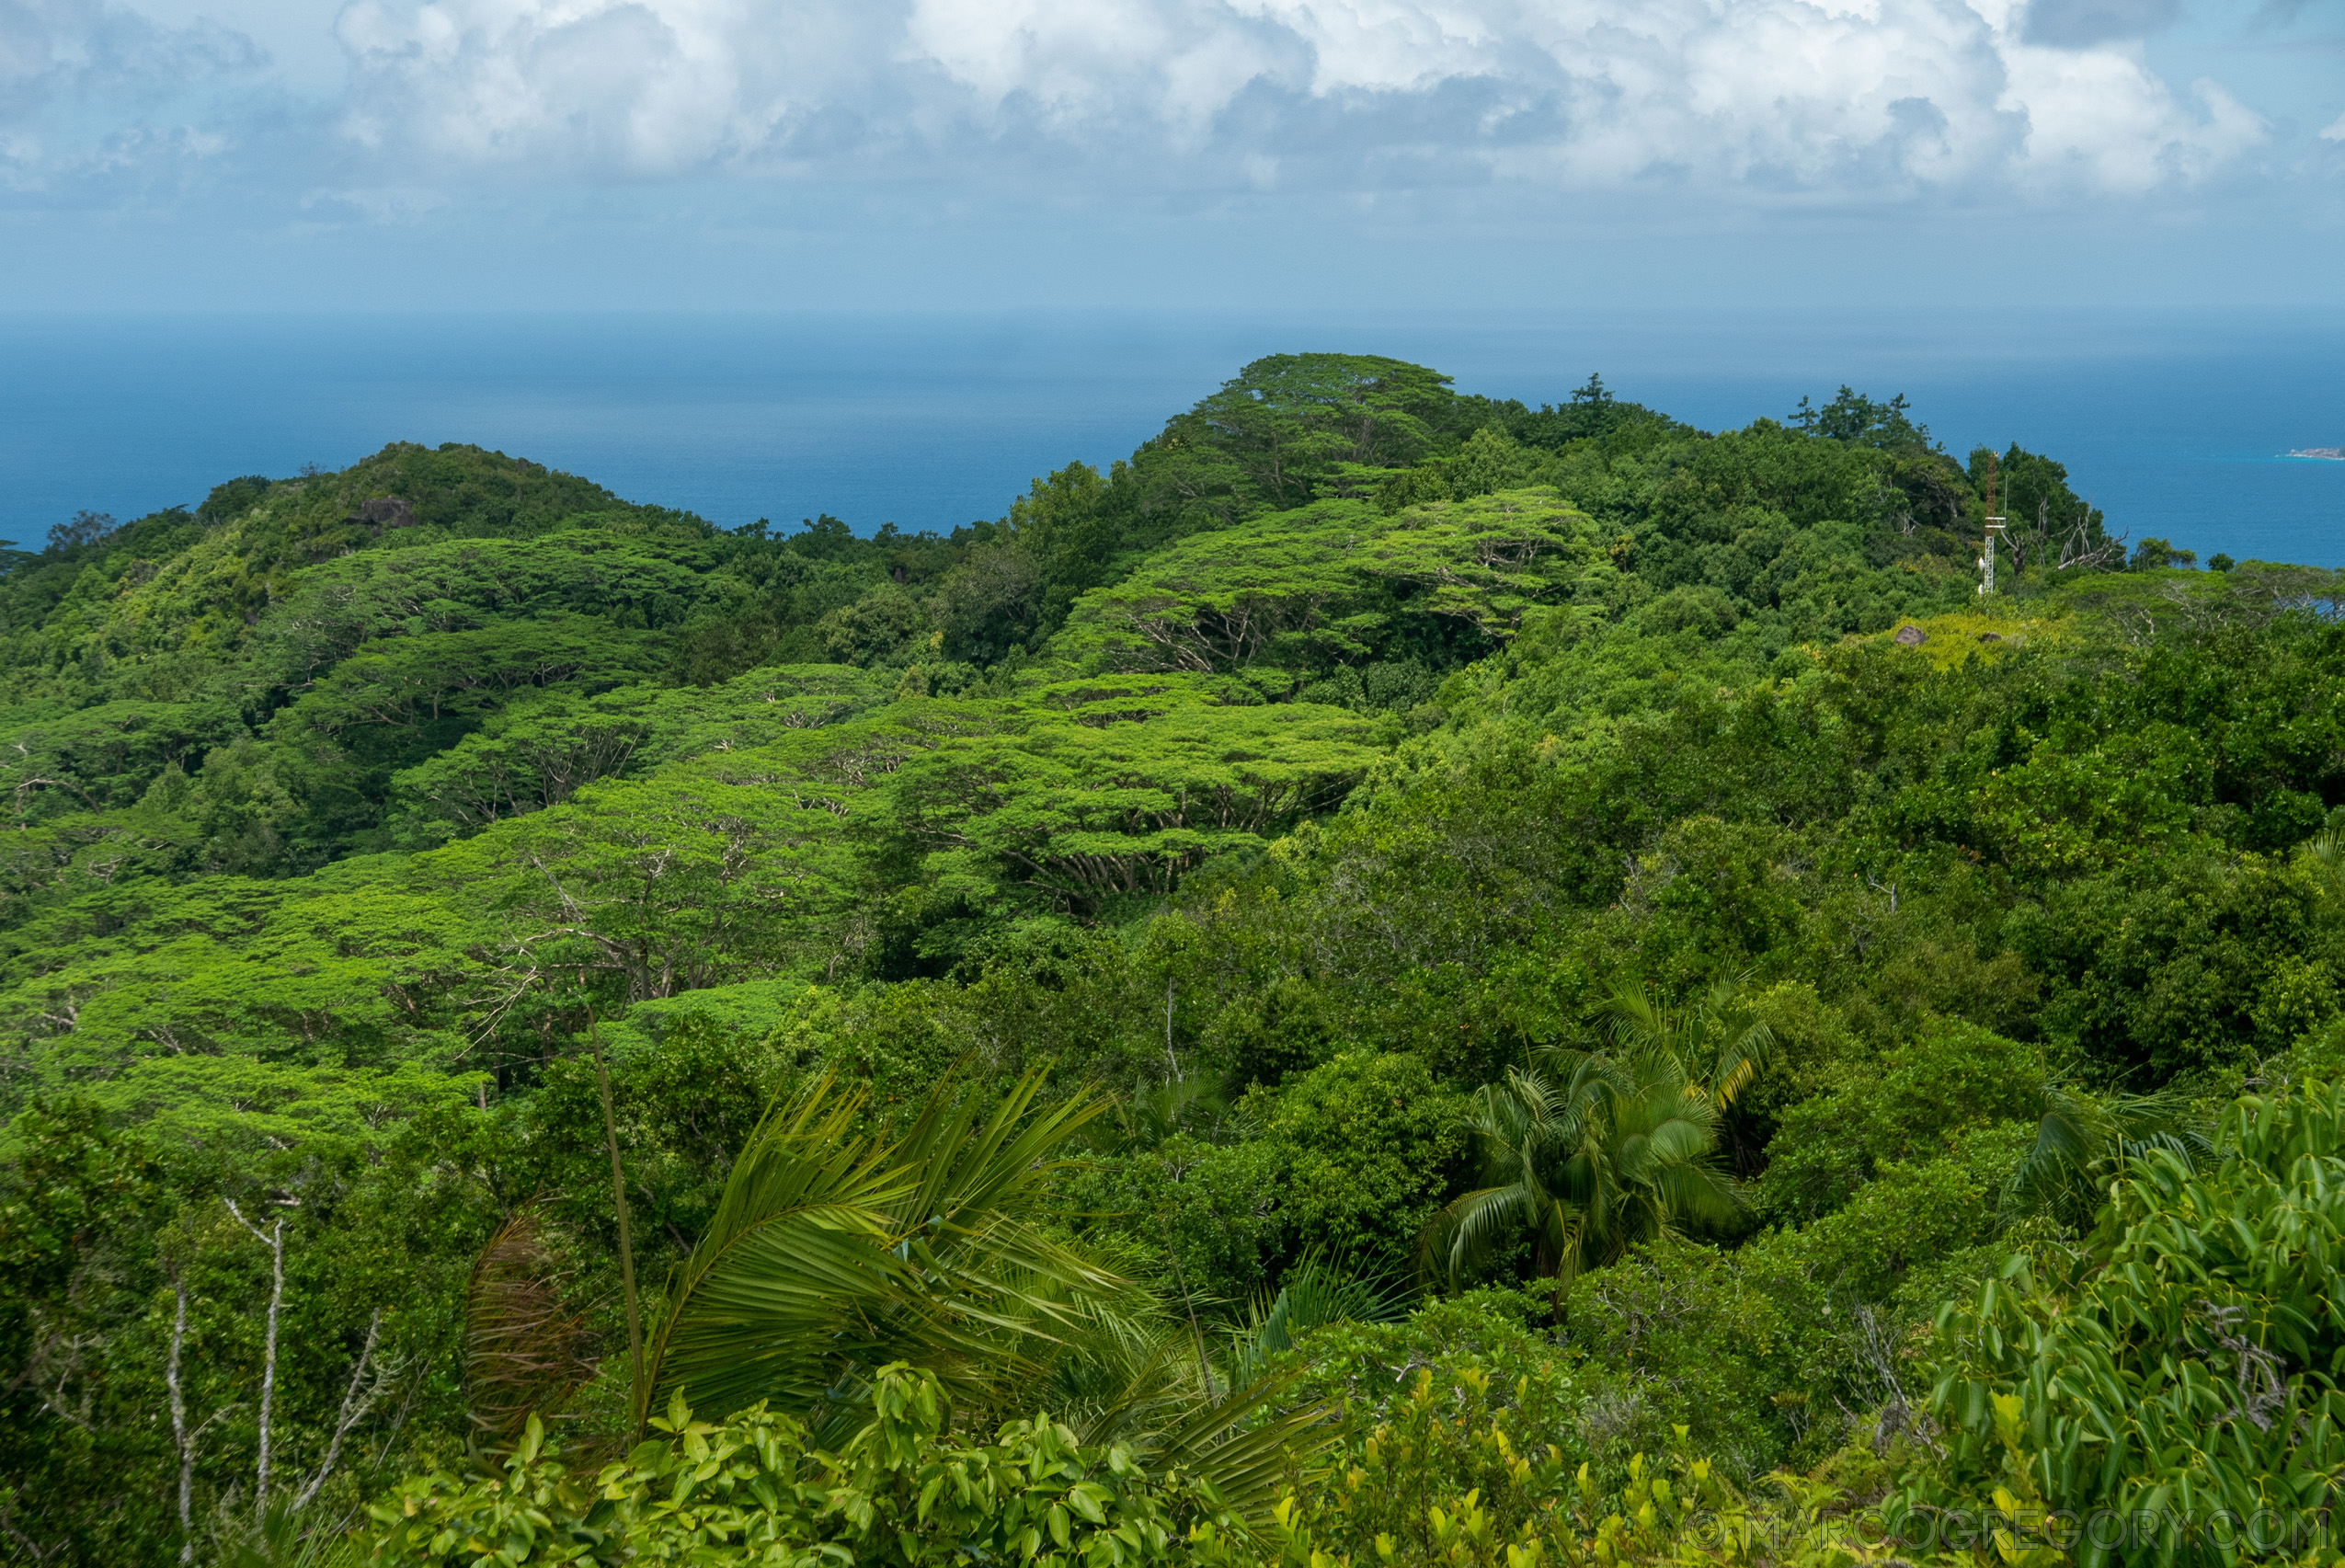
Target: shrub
point(904, 1490)
point(2183, 1362)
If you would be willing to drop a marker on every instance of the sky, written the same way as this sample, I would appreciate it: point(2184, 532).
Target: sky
point(398, 154)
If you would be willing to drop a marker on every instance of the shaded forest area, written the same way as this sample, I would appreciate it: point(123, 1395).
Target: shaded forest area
point(1362, 986)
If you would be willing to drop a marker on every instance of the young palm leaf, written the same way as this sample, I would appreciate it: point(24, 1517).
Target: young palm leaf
point(2324, 858)
point(1193, 1102)
point(1721, 1040)
point(1314, 1295)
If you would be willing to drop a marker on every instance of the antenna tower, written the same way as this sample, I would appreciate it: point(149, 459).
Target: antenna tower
point(1995, 521)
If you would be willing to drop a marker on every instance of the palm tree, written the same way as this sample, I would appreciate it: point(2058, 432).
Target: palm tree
point(1590, 1154)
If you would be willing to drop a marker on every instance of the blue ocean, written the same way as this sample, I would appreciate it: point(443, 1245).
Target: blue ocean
point(2177, 426)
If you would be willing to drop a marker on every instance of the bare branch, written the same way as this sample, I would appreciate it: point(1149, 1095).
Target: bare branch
point(357, 1400)
point(25, 1543)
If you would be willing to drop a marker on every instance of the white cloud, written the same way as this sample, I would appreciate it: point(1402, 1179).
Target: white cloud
point(2101, 121)
point(641, 87)
point(1830, 98)
point(88, 52)
point(2335, 132)
point(92, 92)
point(1801, 100)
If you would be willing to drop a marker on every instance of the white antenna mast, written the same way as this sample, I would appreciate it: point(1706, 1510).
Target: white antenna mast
point(1995, 522)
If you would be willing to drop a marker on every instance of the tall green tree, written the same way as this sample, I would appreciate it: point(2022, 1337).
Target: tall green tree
point(1286, 423)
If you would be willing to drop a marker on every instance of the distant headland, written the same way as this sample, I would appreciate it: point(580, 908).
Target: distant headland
point(2334, 453)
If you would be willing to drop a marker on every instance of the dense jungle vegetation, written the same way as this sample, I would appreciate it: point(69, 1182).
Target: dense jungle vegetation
point(1397, 978)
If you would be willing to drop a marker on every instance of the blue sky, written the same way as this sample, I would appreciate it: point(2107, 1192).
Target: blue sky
point(946, 154)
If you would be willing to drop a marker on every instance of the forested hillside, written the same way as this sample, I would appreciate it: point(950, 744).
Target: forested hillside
point(1365, 985)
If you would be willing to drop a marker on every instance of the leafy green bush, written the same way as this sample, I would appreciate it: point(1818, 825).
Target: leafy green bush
point(1369, 1145)
point(1446, 1398)
point(2183, 1362)
point(1538, 1511)
point(904, 1490)
point(1737, 1348)
point(1907, 1106)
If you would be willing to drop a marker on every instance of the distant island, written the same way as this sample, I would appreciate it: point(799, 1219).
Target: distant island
point(2334, 453)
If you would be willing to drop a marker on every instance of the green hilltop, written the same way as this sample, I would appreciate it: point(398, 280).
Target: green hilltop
point(1575, 946)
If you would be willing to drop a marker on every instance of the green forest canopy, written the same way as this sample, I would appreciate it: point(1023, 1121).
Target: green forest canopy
point(1331, 781)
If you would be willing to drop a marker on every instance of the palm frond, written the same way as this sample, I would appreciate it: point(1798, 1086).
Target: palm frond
point(1745, 1050)
point(1676, 1140)
point(2325, 858)
point(1693, 1190)
point(831, 1252)
point(1594, 1077)
point(1471, 1227)
point(1249, 1451)
point(2081, 1139)
point(1314, 1294)
point(1506, 1116)
point(1638, 1021)
point(1147, 1118)
point(1720, 1040)
point(1116, 1388)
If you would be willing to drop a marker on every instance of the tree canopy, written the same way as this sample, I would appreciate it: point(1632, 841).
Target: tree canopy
point(1396, 976)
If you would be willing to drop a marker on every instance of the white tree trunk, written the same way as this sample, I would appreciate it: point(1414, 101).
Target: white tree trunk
point(274, 1240)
